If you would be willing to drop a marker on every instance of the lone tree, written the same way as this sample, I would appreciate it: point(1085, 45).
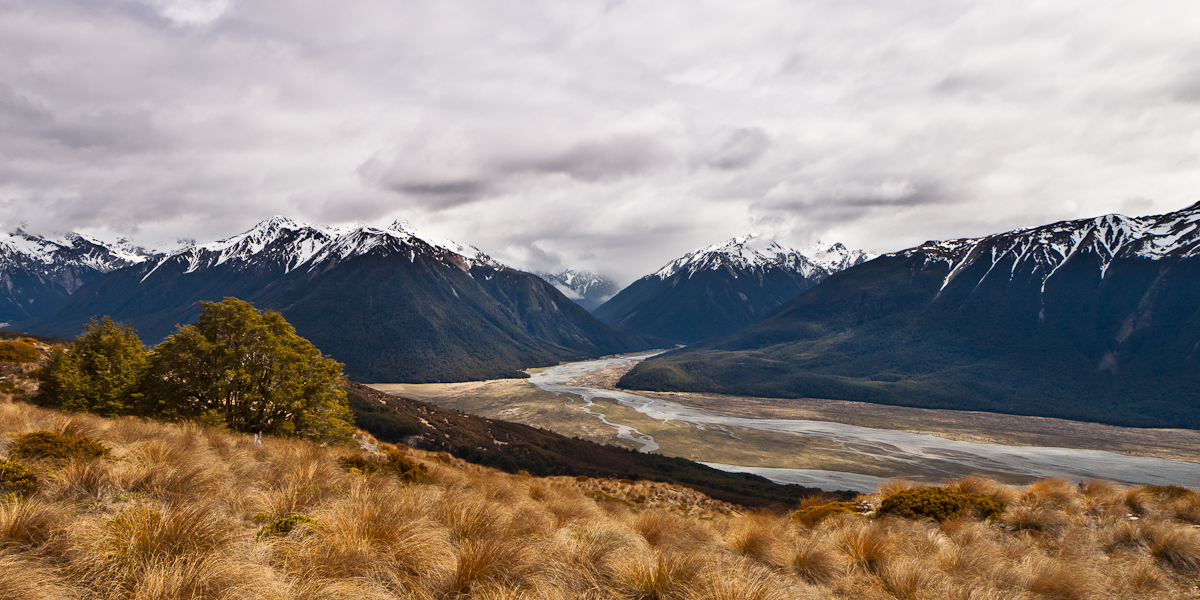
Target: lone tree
point(249, 369)
point(101, 372)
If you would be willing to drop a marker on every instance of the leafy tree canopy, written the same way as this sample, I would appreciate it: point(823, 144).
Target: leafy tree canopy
point(250, 369)
point(100, 372)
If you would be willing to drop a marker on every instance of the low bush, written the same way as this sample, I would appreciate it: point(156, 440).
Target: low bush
point(811, 515)
point(8, 387)
point(17, 481)
point(284, 525)
point(940, 504)
point(393, 462)
point(63, 447)
point(18, 351)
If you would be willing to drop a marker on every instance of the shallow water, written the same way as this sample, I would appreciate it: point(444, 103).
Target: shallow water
point(933, 457)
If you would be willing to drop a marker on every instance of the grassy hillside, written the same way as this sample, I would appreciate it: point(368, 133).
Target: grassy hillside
point(184, 512)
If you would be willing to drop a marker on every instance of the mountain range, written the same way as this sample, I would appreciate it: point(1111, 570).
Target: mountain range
point(1092, 319)
point(37, 273)
point(721, 288)
point(389, 303)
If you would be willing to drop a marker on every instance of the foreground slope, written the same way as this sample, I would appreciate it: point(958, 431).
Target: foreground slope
point(1095, 319)
point(720, 288)
point(182, 512)
point(390, 304)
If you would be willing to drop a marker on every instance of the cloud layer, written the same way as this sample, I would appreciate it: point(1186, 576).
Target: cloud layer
point(612, 136)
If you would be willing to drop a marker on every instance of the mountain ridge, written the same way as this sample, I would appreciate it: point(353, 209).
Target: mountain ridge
point(37, 273)
point(391, 304)
point(1091, 319)
point(722, 287)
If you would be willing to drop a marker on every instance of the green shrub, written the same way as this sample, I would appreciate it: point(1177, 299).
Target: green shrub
point(17, 481)
point(811, 515)
point(8, 387)
point(285, 525)
point(940, 504)
point(249, 369)
point(393, 462)
point(18, 351)
point(101, 372)
point(57, 447)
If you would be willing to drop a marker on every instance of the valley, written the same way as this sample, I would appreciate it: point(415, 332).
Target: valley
point(822, 443)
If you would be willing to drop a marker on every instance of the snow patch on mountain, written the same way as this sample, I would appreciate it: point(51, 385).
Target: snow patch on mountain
point(750, 253)
point(1042, 250)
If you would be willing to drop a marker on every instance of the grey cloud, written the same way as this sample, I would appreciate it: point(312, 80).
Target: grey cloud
point(599, 160)
point(736, 148)
point(442, 194)
point(611, 136)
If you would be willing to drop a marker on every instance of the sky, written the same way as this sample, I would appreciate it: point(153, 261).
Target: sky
point(606, 135)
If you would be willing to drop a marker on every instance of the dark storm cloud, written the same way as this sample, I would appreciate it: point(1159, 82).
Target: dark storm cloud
point(605, 135)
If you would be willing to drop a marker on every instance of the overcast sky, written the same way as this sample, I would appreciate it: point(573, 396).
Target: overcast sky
point(611, 136)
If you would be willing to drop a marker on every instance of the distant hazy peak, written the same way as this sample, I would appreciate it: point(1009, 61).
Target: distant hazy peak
point(584, 287)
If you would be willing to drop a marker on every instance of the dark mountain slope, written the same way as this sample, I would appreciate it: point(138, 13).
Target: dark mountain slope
point(389, 304)
point(721, 288)
point(1095, 320)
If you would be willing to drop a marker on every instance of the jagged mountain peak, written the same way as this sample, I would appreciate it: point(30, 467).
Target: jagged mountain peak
point(1042, 250)
point(292, 244)
point(73, 249)
point(752, 252)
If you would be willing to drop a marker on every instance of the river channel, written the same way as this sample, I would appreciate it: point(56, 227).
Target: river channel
point(931, 456)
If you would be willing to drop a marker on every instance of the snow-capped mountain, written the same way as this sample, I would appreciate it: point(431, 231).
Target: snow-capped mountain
point(286, 244)
point(38, 273)
point(752, 254)
point(717, 289)
point(390, 303)
point(586, 288)
point(1039, 252)
point(1091, 319)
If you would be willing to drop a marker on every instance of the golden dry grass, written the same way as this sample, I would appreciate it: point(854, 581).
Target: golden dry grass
point(176, 513)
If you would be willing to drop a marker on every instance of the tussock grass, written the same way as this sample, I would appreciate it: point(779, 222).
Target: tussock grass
point(176, 511)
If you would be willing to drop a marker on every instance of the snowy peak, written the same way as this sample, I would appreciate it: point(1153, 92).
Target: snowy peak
point(288, 244)
point(835, 257)
point(1040, 251)
point(752, 254)
point(74, 250)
